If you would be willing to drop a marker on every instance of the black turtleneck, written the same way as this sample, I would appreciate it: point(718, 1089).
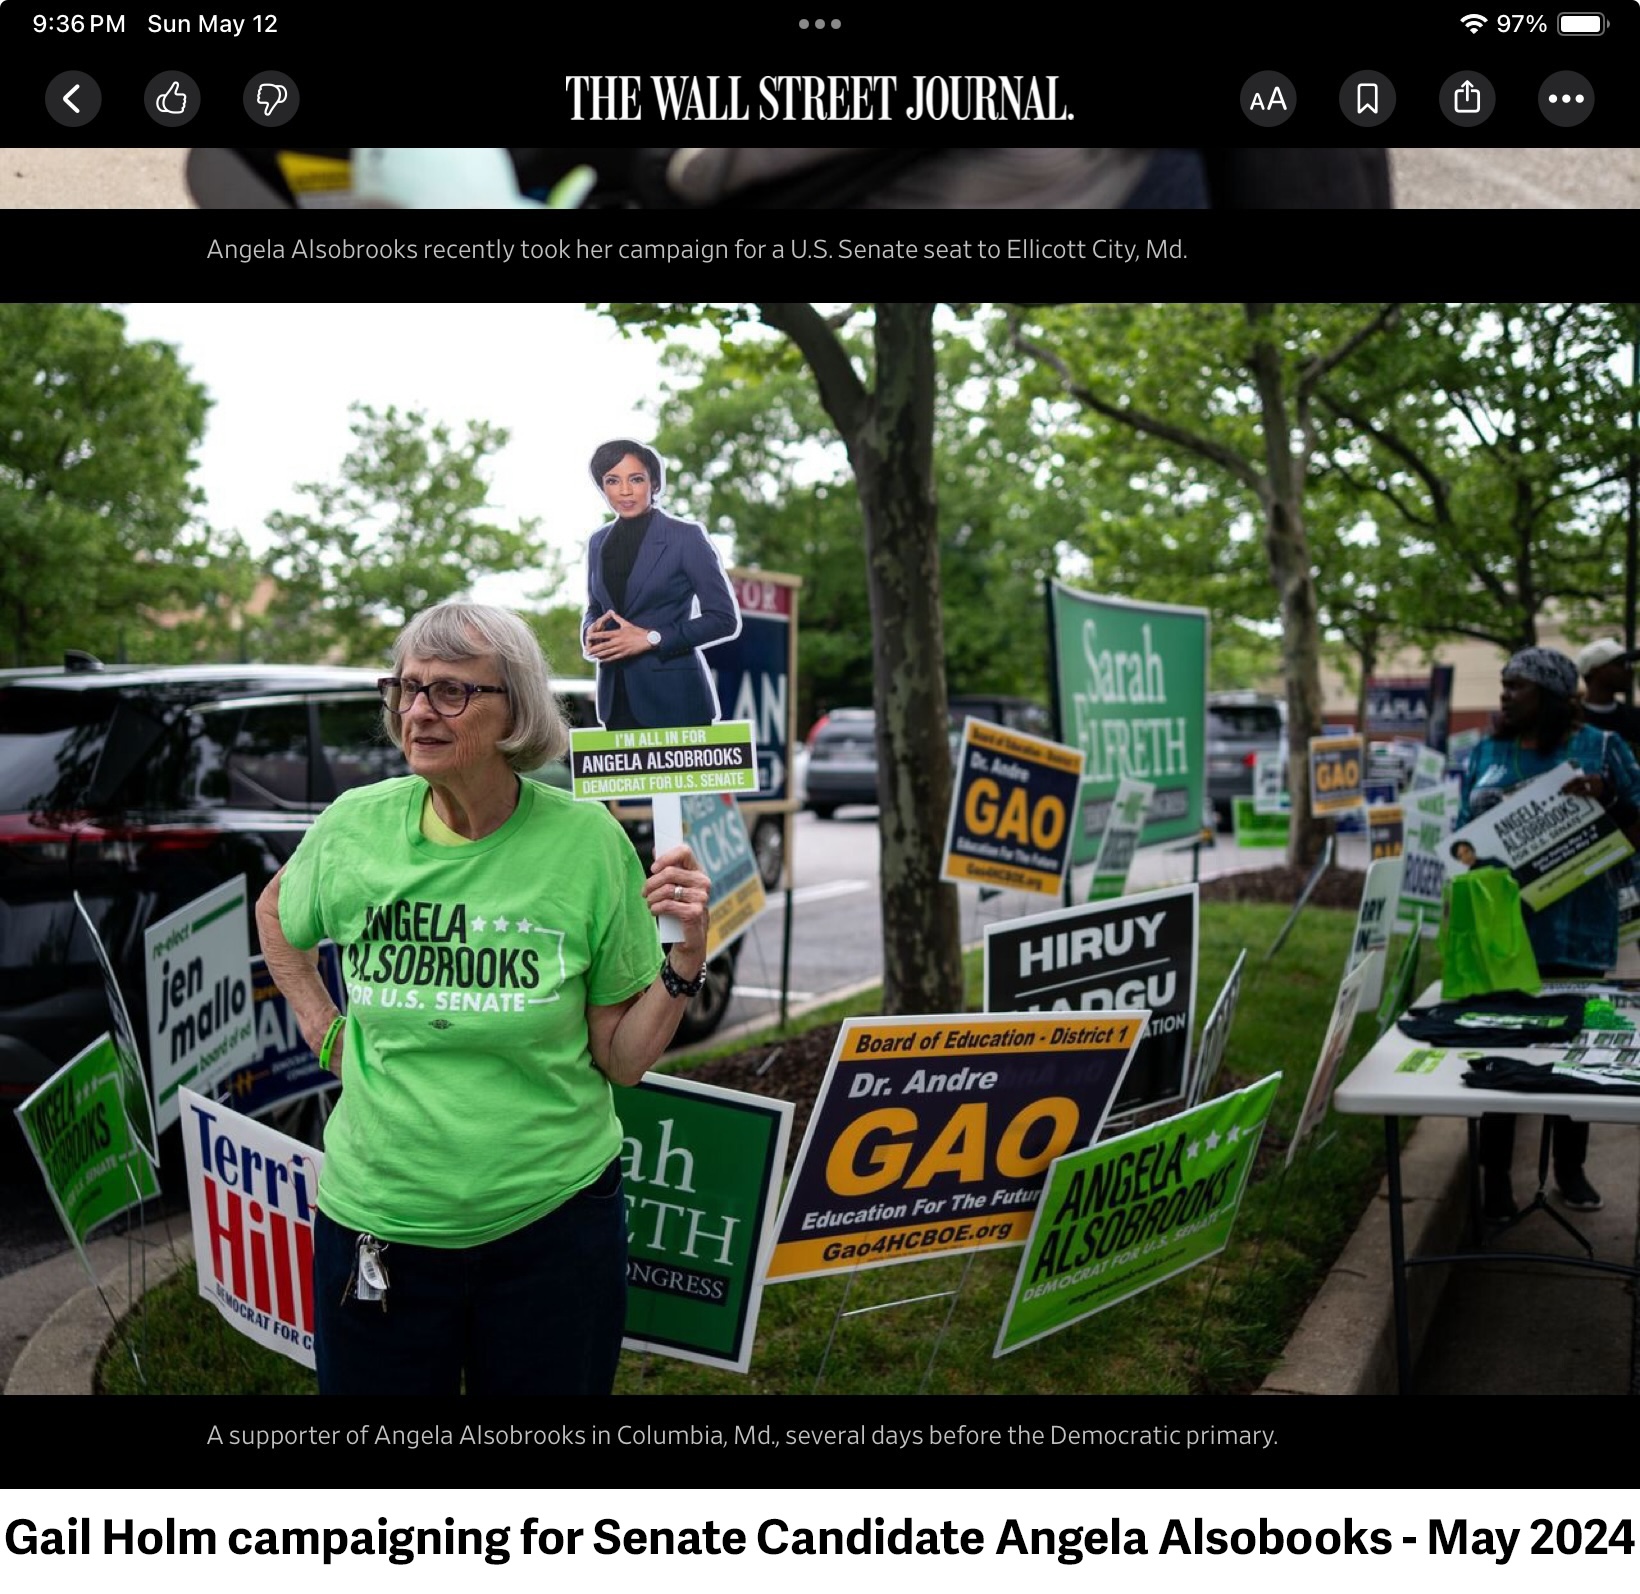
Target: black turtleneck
point(621, 553)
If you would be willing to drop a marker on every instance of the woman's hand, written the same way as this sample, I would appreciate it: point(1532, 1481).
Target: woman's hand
point(627, 1037)
point(1583, 785)
point(606, 641)
point(677, 886)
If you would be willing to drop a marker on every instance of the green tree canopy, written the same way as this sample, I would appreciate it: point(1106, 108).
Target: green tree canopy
point(402, 529)
point(758, 459)
point(97, 520)
point(1487, 443)
point(1232, 389)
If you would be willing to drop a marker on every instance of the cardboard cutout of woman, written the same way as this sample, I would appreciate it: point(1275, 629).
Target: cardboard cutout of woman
point(656, 595)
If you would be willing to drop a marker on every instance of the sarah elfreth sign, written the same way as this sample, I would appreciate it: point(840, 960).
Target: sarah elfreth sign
point(1130, 690)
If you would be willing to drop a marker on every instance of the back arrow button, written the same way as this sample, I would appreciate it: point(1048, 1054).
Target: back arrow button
point(73, 99)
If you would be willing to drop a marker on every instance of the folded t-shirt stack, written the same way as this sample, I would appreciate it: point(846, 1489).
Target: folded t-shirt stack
point(1499, 1018)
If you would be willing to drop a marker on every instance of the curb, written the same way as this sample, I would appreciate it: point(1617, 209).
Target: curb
point(1345, 1342)
point(61, 1357)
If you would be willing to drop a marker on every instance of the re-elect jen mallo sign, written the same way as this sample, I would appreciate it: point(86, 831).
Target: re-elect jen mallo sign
point(201, 1019)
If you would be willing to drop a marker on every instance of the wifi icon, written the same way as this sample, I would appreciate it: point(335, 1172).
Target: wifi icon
point(1474, 21)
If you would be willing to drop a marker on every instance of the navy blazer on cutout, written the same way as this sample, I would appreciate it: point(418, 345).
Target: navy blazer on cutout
point(678, 588)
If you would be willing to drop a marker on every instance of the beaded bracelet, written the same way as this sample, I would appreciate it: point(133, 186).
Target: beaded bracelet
point(328, 1044)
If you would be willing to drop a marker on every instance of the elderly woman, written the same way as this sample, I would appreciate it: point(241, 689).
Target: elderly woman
point(1574, 937)
point(656, 595)
point(503, 972)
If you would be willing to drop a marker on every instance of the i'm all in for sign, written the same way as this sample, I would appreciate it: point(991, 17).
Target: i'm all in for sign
point(635, 765)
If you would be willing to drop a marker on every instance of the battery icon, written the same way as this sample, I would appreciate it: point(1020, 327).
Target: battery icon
point(1586, 24)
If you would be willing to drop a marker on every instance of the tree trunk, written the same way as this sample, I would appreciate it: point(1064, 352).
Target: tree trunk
point(889, 434)
point(1288, 551)
point(1367, 657)
point(922, 946)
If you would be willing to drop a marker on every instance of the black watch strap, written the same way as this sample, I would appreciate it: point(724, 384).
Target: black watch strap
point(676, 984)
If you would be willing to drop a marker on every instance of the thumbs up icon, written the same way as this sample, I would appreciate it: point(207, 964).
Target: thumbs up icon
point(171, 98)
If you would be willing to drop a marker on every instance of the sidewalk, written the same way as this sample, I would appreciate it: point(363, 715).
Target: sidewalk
point(1480, 1328)
point(54, 1322)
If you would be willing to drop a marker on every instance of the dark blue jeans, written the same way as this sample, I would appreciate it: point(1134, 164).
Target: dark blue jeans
point(539, 1312)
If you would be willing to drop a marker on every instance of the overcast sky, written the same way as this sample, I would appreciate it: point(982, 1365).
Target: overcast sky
point(558, 377)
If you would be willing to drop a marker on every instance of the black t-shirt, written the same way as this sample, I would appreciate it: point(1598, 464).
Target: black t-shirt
point(1500, 1018)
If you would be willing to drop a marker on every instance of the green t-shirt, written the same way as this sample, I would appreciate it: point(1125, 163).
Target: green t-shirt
point(470, 1105)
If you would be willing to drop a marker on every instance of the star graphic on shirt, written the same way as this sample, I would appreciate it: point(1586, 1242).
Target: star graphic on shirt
point(1213, 1141)
point(500, 923)
point(477, 921)
point(1234, 1135)
point(522, 926)
point(1191, 1150)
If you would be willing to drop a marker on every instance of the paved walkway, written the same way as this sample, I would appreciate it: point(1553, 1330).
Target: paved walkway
point(1504, 1328)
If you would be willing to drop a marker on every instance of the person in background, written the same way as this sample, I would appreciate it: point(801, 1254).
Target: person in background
point(503, 973)
point(1574, 937)
point(1607, 668)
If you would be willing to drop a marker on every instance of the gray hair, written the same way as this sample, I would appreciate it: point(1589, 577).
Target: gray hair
point(457, 632)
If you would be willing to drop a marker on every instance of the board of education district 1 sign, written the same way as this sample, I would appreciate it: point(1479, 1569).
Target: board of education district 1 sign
point(933, 1135)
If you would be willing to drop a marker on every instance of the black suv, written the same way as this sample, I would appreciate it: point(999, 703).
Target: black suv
point(142, 787)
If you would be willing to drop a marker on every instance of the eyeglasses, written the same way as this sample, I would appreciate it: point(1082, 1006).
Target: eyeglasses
point(449, 699)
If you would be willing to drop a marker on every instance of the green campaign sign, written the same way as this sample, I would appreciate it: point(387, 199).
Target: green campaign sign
point(702, 1168)
point(1253, 828)
point(1121, 840)
point(77, 1126)
point(1125, 1214)
point(1130, 690)
point(640, 764)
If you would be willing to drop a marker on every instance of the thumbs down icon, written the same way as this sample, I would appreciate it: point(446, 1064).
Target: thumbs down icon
point(270, 96)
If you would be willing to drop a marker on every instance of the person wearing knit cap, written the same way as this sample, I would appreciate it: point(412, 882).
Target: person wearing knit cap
point(1538, 726)
point(1607, 668)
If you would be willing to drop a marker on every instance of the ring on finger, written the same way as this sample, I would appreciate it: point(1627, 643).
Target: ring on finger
point(677, 893)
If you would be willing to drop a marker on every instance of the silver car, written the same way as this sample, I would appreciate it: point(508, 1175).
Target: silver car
point(1240, 726)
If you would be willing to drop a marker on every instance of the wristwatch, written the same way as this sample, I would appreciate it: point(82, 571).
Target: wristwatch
point(676, 984)
point(654, 638)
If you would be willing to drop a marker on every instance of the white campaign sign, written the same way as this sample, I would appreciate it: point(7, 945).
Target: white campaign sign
point(1372, 923)
point(251, 1193)
point(201, 1019)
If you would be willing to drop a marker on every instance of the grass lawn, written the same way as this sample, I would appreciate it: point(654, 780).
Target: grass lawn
point(1216, 1329)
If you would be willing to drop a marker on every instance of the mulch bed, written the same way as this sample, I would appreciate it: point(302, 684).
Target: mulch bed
point(792, 1070)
